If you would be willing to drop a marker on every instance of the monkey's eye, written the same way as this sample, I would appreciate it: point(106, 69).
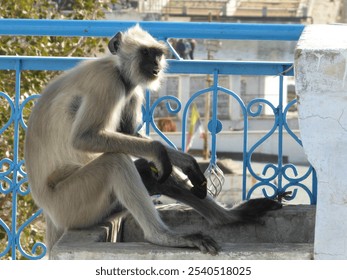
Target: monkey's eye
point(145, 52)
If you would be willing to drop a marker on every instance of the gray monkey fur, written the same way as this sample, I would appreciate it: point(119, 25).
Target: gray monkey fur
point(81, 136)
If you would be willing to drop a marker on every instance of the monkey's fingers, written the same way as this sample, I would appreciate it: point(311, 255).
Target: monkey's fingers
point(200, 191)
point(204, 243)
point(199, 182)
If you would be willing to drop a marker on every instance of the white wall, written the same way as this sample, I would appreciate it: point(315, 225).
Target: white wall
point(321, 84)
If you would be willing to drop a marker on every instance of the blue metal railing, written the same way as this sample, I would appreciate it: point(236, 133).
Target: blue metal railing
point(161, 30)
point(279, 181)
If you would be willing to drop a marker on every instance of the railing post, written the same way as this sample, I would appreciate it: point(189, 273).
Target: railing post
point(321, 84)
point(279, 117)
point(214, 129)
point(17, 116)
point(146, 113)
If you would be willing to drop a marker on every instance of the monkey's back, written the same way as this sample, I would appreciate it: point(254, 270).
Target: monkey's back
point(48, 143)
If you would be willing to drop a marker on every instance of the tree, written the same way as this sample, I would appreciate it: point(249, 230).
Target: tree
point(32, 83)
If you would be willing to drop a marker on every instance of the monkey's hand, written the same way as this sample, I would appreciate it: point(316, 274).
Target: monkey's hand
point(161, 161)
point(190, 167)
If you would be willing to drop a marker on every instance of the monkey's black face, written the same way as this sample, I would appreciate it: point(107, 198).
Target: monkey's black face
point(150, 65)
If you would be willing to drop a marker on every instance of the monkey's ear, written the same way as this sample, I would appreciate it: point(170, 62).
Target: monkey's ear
point(115, 42)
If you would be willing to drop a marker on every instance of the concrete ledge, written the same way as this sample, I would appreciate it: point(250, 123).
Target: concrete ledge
point(147, 251)
point(287, 234)
point(291, 224)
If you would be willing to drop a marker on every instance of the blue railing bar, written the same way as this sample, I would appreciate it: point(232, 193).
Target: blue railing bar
point(107, 28)
point(231, 67)
point(280, 136)
point(15, 241)
point(40, 62)
point(213, 131)
point(178, 67)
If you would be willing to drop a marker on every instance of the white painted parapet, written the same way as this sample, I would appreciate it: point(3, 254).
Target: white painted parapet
point(321, 85)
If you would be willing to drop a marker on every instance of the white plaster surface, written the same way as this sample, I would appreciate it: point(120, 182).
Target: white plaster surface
point(321, 85)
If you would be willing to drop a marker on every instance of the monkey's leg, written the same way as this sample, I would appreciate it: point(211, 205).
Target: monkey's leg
point(52, 233)
point(178, 188)
point(85, 198)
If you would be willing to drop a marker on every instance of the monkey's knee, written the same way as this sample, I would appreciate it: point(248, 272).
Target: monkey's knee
point(60, 174)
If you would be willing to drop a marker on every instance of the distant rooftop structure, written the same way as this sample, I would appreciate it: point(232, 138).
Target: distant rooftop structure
point(263, 8)
point(195, 7)
point(229, 10)
point(253, 11)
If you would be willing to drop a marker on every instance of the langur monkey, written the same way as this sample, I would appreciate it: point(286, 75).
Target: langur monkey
point(81, 138)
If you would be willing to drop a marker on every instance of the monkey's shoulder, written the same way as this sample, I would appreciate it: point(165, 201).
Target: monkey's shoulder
point(101, 65)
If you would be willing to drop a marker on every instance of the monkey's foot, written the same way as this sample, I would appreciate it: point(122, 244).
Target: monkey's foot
point(204, 243)
point(253, 209)
point(258, 206)
point(248, 211)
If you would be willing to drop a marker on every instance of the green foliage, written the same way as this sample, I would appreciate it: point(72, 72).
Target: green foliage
point(32, 83)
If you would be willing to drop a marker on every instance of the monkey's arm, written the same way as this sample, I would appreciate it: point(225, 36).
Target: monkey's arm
point(92, 132)
point(104, 141)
